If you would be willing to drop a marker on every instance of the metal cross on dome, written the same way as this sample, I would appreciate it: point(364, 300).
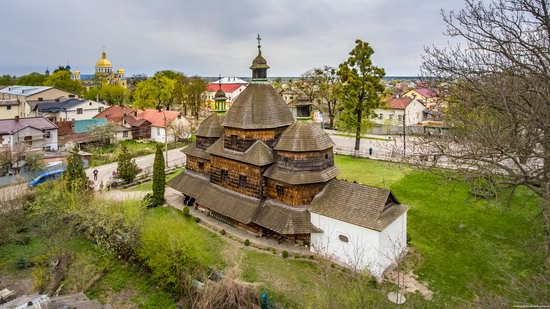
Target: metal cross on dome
point(259, 39)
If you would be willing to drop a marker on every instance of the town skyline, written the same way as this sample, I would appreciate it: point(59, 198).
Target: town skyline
point(211, 39)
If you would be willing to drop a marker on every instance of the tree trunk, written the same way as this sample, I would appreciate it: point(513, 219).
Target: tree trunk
point(358, 132)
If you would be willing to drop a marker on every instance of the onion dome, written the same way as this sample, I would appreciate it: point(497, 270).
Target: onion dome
point(304, 136)
point(220, 95)
point(259, 106)
point(259, 65)
point(103, 62)
point(68, 67)
point(121, 71)
point(211, 127)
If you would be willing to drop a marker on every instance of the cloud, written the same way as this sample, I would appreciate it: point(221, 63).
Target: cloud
point(217, 37)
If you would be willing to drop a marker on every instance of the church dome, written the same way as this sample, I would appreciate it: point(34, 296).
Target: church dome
point(103, 62)
point(220, 95)
point(211, 127)
point(259, 62)
point(302, 137)
point(259, 106)
point(121, 71)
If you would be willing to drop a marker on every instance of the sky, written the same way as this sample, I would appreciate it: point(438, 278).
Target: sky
point(208, 38)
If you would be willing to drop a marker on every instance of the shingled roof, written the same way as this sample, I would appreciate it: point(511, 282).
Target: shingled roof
point(258, 154)
point(223, 201)
point(258, 107)
point(302, 136)
point(211, 126)
point(304, 177)
point(365, 206)
point(284, 219)
point(192, 150)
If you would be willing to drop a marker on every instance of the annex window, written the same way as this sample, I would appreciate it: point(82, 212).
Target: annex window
point(380, 116)
point(79, 111)
point(47, 134)
point(280, 190)
point(400, 118)
point(201, 165)
point(8, 107)
point(242, 181)
point(233, 140)
point(125, 134)
point(343, 238)
point(391, 117)
point(100, 109)
point(225, 175)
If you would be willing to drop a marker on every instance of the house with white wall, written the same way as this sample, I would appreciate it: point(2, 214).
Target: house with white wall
point(361, 227)
point(395, 109)
point(27, 96)
point(167, 126)
point(28, 134)
point(69, 110)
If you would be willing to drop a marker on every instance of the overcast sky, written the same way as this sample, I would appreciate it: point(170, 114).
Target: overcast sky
point(208, 38)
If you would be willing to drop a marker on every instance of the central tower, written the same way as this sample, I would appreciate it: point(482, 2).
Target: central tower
point(259, 65)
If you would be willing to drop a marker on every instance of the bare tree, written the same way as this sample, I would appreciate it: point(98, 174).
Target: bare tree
point(498, 86)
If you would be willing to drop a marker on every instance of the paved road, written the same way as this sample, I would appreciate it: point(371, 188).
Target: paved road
point(145, 162)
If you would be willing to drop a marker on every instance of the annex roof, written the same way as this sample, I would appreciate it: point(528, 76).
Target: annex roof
point(116, 113)
point(193, 150)
point(157, 119)
point(10, 126)
point(259, 106)
point(399, 103)
point(286, 220)
point(24, 90)
point(304, 136)
point(369, 207)
point(258, 154)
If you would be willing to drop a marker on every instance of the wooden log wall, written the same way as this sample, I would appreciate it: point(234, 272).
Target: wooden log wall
point(293, 195)
point(253, 175)
point(305, 161)
point(245, 138)
point(205, 142)
point(192, 163)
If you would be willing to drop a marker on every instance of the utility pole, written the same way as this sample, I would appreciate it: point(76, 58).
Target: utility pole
point(404, 134)
point(165, 137)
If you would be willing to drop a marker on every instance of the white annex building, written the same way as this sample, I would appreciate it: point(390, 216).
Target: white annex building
point(369, 232)
point(397, 108)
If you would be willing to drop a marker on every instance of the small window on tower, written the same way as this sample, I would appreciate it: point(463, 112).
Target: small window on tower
point(224, 175)
point(233, 140)
point(242, 181)
point(201, 165)
point(280, 190)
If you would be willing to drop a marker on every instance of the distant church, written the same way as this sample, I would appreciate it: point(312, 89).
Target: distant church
point(104, 74)
point(255, 167)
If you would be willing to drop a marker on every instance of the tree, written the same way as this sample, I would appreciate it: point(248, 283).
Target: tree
point(360, 91)
point(155, 92)
point(74, 176)
point(61, 79)
point(498, 95)
point(7, 80)
point(327, 95)
point(127, 168)
point(194, 91)
point(92, 93)
point(103, 134)
point(159, 177)
point(32, 79)
point(180, 94)
point(35, 161)
point(113, 94)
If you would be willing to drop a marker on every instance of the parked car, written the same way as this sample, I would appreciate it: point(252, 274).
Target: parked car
point(42, 178)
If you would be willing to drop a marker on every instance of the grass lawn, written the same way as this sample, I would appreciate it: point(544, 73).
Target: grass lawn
point(109, 153)
point(465, 246)
point(363, 137)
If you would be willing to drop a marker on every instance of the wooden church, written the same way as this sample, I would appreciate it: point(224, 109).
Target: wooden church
point(255, 167)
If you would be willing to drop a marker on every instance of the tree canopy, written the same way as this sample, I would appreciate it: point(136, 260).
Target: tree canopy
point(61, 79)
point(32, 79)
point(154, 92)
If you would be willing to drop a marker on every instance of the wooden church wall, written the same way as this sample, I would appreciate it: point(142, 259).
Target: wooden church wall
point(245, 138)
point(253, 186)
point(192, 163)
point(305, 161)
point(295, 195)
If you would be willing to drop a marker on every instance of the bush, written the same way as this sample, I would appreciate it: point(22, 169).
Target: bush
point(247, 242)
point(185, 211)
point(23, 240)
point(22, 262)
point(222, 232)
point(197, 219)
point(311, 257)
point(159, 177)
point(409, 238)
point(273, 250)
point(285, 254)
point(147, 201)
point(127, 168)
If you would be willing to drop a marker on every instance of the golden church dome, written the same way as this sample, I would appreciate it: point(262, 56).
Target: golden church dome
point(103, 62)
point(121, 71)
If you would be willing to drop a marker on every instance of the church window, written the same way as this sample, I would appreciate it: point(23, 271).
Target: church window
point(224, 175)
point(326, 155)
point(8, 107)
point(242, 181)
point(233, 140)
point(280, 190)
point(343, 238)
point(201, 165)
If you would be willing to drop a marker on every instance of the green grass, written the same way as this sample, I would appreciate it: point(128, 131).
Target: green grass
point(148, 186)
point(363, 137)
point(109, 153)
point(465, 246)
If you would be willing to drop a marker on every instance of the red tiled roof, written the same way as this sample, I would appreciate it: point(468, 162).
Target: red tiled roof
point(426, 92)
point(227, 88)
point(399, 103)
point(115, 113)
point(156, 118)
point(135, 121)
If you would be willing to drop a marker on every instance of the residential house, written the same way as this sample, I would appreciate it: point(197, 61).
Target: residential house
point(9, 108)
point(167, 126)
point(424, 95)
point(27, 96)
point(232, 86)
point(115, 114)
point(78, 131)
point(258, 169)
point(396, 108)
point(71, 109)
point(28, 134)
